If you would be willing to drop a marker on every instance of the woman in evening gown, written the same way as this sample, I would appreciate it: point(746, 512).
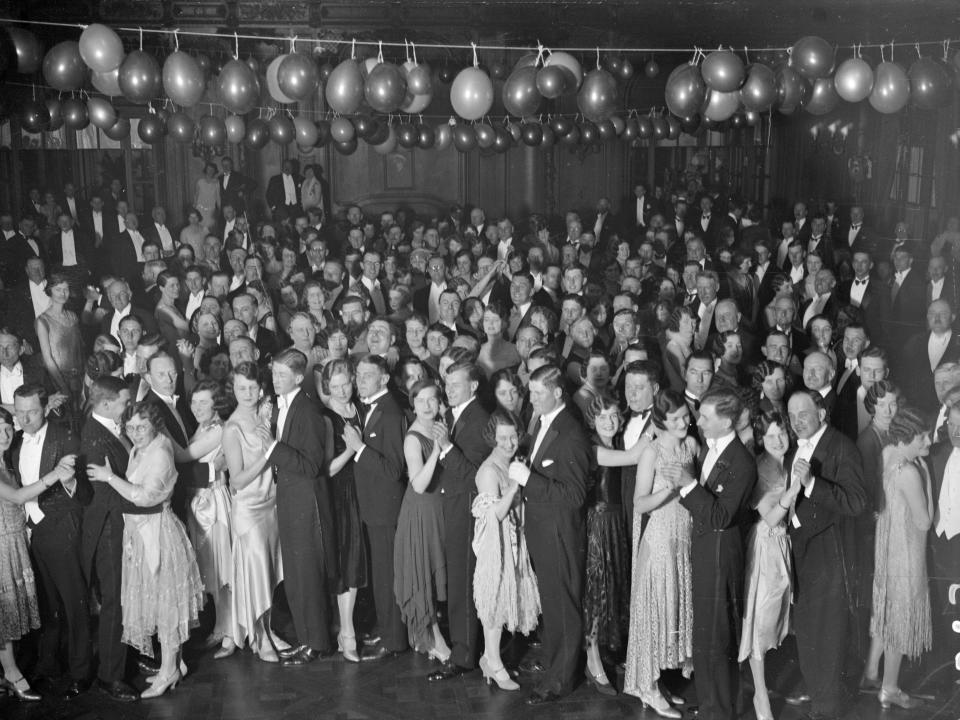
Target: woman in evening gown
point(336, 388)
point(661, 594)
point(207, 198)
point(768, 586)
point(19, 611)
point(420, 568)
point(257, 566)
point(504, 587)
point(193, 233)
point(161, 590)
point(61, 345)
point(901, 622)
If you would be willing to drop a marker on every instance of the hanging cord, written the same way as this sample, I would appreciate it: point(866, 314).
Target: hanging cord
point(176, 41)
point(476, 61)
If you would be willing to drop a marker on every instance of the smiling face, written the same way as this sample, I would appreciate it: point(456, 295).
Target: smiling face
point(426, 405)
point(805, 417)
point(776, 440)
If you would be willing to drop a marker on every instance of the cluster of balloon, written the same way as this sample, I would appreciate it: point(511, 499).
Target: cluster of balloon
point(102, 51)
point(419, 87)
point(238, 87)
point(471, 94)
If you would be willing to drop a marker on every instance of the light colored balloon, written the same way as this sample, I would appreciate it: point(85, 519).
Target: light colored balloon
point(238, 87)
point(853, 80)
point(236, 129)
point(723, 71)
point(571, 63)
point(183, 79)
point(891, 88)
point(720, 106)
point(597, 98)
point(101, 48)
point(306, 132)
point(140, 77)
point(101, 112)
point(273, 81)
point(298, 76)
point(344, 91)
point(813, 57)
point(444, 137)
point(107, 82)
point(471, 93)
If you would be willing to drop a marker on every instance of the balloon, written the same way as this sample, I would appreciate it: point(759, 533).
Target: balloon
point(552, 81)
point(813, 57)
point(386, 88)
point(613, 63)
point(151, 129)
point(341, 130)
point(929, 84)
point(347, 148)
point(597, 98)
point(101, 48)
point(471, 94)
point(282, 130)
point(528, 60)
point(464, 138)
point(532, 134)
point(502, 140)
point(561, 126)
point(407, 135)
point(685, 90)
point(751, 118)
point(792, 89)
point(737, 121)
point(823, 99)
point(305, 131)
point(253, 63)
point(691, 124)
point(853, 79)
point(365, 126)
point(323, 132)
point(75, 114)
point(723, 71)
point(102, 113)
point(55, 108)
point(325, 71)
point(205, 64)
point(485, 136)
point(446, 74)
point(258, 134)
point(238, 87)
point(891, 90)
point(426, 136)
point(589, 133)
point(661, 129)
point(298, 76)
point(344, 90)
point(63, 69)
point(631, 129)
point(570, 63)
point(119, 130)
point(107, 82)
point(644, 126)
point(626, 70)
point(651, 69)
point(759, 90)
point(140, 77)
point(180, 127)
point(444, 137)
point(419, 78)
point(605, 129)
point(381, 134)
point(720, 106)
point(572, 137)
point(367, 66)
point(619, 124)
point(236, 129)
point(273, 81)
point(389, 143)
point(673, 127)
point(28, 49)
point(415, 103)
point(183, 79)
point(520, 94)
point(212, 130)
point(549, 137)
point(34, 116)
point(498, 71)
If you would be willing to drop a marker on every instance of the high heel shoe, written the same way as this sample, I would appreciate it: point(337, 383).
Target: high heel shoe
point(498, 675)
point(183, 673)
point(347, 646)
point(761, 706)
point(21, 688)
point(161, 686)
point(599, 682)
point(897, 697)
point(656, 702)
point(225, 651)
point(435, 654)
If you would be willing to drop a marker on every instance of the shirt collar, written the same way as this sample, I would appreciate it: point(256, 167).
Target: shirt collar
point(284, 400)
point(15, 371)
point(39, 436)
point(458, 409)
point(376, 396)
point(720, 444)
point(814, 439)
point(546, 420)
point(109, 424)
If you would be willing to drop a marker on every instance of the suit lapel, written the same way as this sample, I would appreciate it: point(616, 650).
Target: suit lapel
point(547, 441)
point(372, 418)
point(291, 416)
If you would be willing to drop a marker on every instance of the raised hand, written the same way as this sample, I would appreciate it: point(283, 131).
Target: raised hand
point(98, 473)
point(263, 432)
point(352, 437)
point(441, 434)
point(801, 472)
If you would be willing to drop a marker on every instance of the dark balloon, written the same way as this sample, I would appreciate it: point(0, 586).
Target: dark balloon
point(238, 86)
point(613, 63)
point(823, 99)
point(204, 63)
point(389, 142)
point(63, 68)
point(644, 126)
point(502, 140)
point(383, 133)
point(151, 129)
point(532, 134)
point(549, 137)
point(325, 71)
point(183, 79)
point(346, 148)
point(426, 136)
point(673, 127)
point(102, 113)
point(631, 129)
point(212, 130)
point(236, 129)
point(282, 130)
point(589, 133)
point(55, 108)
point(552, 81)
point(34, 116)
point(561, 126)
point(813, 57)
point(342, 130)
point(690, 125)
point(597, 97)
point(751, 118)
point(759, 90)
point(485, 136)
point(298, 76)
point(661, 129)
point(365, 126)
point(929, 84)
point(119, 131)
point(891, 90)
point(651, 69)
point(258, 134)
point(140, 77)
point(386, 88)
point(618, 124)
point(180, 127)
point(446, 75)
point(606, 130)
point(444, 136)
point(792, 90)
point(407, 135)
point(626, 70)
point(498, 70)
point(572, 137)
point(464, 138)
point(520, 94)
point(75, 115)
point(28, 48)
point(723, 71)
point(323, 133)
point(685, 90)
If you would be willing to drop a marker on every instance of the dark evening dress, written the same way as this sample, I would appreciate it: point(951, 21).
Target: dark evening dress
point(350, 544)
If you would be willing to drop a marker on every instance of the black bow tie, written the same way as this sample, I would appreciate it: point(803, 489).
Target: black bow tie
point(643, 414)
point(854, 227)
point(859, 282)
point(705, 217)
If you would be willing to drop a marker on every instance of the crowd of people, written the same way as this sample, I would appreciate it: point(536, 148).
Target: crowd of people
point(667, 437)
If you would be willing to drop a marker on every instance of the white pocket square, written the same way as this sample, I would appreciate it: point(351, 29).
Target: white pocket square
point(546, 463)
point(373, 435)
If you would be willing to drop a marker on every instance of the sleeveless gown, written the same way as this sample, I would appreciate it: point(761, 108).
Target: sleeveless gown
point(350, 544)
point(901, 598)
point(505, 589)
point(19, 612)
point(420, 567)
point(661, 594)
point(768, 587)
point(257, 564)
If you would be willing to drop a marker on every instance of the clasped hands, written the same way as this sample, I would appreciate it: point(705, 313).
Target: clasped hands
point(676, 475)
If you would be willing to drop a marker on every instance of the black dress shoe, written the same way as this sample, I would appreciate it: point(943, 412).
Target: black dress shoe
point(798, 698)
point(148, 666)
point(531, 666)
point(305, 656)
point(379, 653)
point(540, 698)
point(76, 688)
point(371, 640)
point(290, 652)
point(118, 690)
point(447, 671)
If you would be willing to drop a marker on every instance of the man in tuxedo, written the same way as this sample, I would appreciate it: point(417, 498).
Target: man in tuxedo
point(245, 308)
point(801, 223)
point(824, 302)
point(554, 489)
point(776, 347)
point(641, 384)
point(119, 295)
point(521, 295)
point(709, 224)
point(101, 546)
point(603, 224)
point(727, 317)
point(708, 285)
point(781, 259)
point(369, 283)
point(906, 298)
point(283, 192)
point(126, 249)
point(866, 293)
point(828, 466)
point(940, 284)
point(925, 352)
point(852, 238)
point(819, 242)
point(785, 310)
point(818, 375)
point(158, 232)
point(462, 449)
point(846, 413)
point(45, 453)
point(380, 472)
point(478, 220)
point(426, 300)
point(71, 204)
point(763, 272)
point(636, 211)
point(718, 502)
point(28, 300)
point(304, 509)
point(21, 247)
point(234, 186)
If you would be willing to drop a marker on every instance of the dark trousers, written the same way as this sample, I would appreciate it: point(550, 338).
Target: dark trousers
point(462, 613)
point(107, 562)
point(55, 550)
point(717, 608)
point(820, 612)
point(304, 575)
point(557, 547)
point(944, 570)
point(393, 633)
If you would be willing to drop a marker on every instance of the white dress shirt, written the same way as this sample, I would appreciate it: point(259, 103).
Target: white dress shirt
point(39, 297)
point(97, 216)
point(634, 428)
point(10, 380)
point(936, 289)
point(805, 450)
point(371, 403)
point(30, 455)
point(283, 405)
point(193, 304)
point(289, 190)
point(119, 315)
point(936, 347)
point(863, 417)
point(166, 241)
point(228, 228)
point(947, 512)
point(503, 248)
point(796, 274)
point(137, 243)
point(545, 422)
point(129, 363)
point(858, 288)
point(433, 302)
point(852, 234)
point(72, 207)
point(815, 307)
point(121, 223)
point(641, 201)
point(109, 424)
